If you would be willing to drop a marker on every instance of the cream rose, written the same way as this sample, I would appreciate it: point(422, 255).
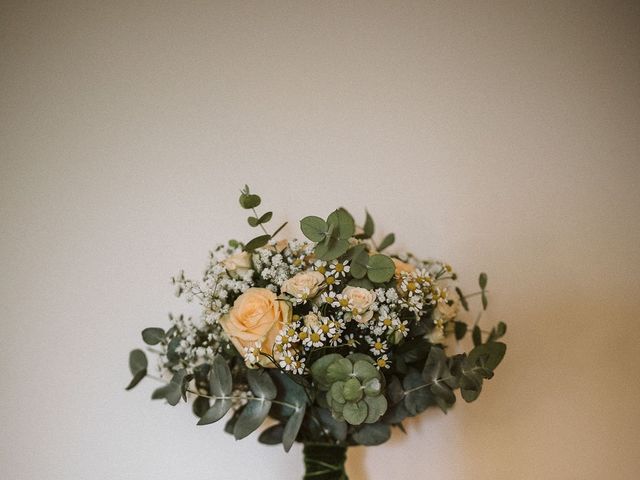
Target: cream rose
point(237, 263)
point(403, 266)
point(256, 316)
point(303, 285)
point(360, 300)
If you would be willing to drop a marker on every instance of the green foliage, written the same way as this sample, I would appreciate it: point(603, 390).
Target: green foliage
point(368, 228)
point(292, 428)
point(460, 330)
point(476, 336)
point(272, 435)
point(354, 387)
point(314, 228)
point(138, 367)
point(257, 242)
point(153, 335)
point(482, 281)
point(463, 299)
point(174, 390)
point(221, 386)
point(497, 332)
point(247, 199)
point(344, 225)
point(380, 268)
point(261, 384)
point(332, 236)
point(200, 406)
point(252, 416)
point(387, 242)
point(372, 434)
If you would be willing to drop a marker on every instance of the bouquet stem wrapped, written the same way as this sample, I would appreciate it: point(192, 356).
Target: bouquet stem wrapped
point(324, 462)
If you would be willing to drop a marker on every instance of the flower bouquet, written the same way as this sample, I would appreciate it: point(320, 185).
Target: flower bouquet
point(328, 341)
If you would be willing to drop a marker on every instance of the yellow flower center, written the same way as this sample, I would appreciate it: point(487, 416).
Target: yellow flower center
point(339, 267)
point(381, 362)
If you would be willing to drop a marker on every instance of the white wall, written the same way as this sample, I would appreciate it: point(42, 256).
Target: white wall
point(501, 136)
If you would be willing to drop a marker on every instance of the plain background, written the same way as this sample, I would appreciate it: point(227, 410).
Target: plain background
point(500, 136)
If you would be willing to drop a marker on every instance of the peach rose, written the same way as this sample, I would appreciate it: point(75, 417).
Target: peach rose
point(256, 316)
point(237, 263)
point(403, 266)
point(303, 285)
point(360, 300)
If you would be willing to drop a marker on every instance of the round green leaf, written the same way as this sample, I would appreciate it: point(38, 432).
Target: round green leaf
point(314, 228)
point(365, 370)
point(249, 201)
point(337, 392)
point(261, 384)
point(339, 370)
point(376, 408)
point(152, 335)
point(372, 387)
point(137, 361)
point(345, 226)
point(355, 413)
point(352, 390)
point(380, 268)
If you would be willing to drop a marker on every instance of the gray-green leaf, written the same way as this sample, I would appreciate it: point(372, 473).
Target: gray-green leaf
point(292, 428)
point(220, 379)
point(261, 384)
point(387, 242)
point(314, 228)
point(380, 268)
point(252, 416)
point(153, 335)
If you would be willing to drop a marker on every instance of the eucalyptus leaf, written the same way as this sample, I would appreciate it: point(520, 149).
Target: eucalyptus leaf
point(463, 299)
point(249, 201)
point(362, 283)
point(380, 268)
point(387, 242)
point(200, 406)
point(257, 242)
point(337, 428)
point(137, 377)
point(460, 329)
point(252, 416)
point(355, 413)
point(292, 428)
point(137, 361)
point(359, 263)
point(216, 411)
point(153, 335)
point(272, 435)
point(265, 217)
point(261, 384)
point(343, 222)
point(476, 336)
point(314, 228)
point(220, 379)
point(372, 434)
point(368, 227)
point(482, 280)
point(333, 249)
